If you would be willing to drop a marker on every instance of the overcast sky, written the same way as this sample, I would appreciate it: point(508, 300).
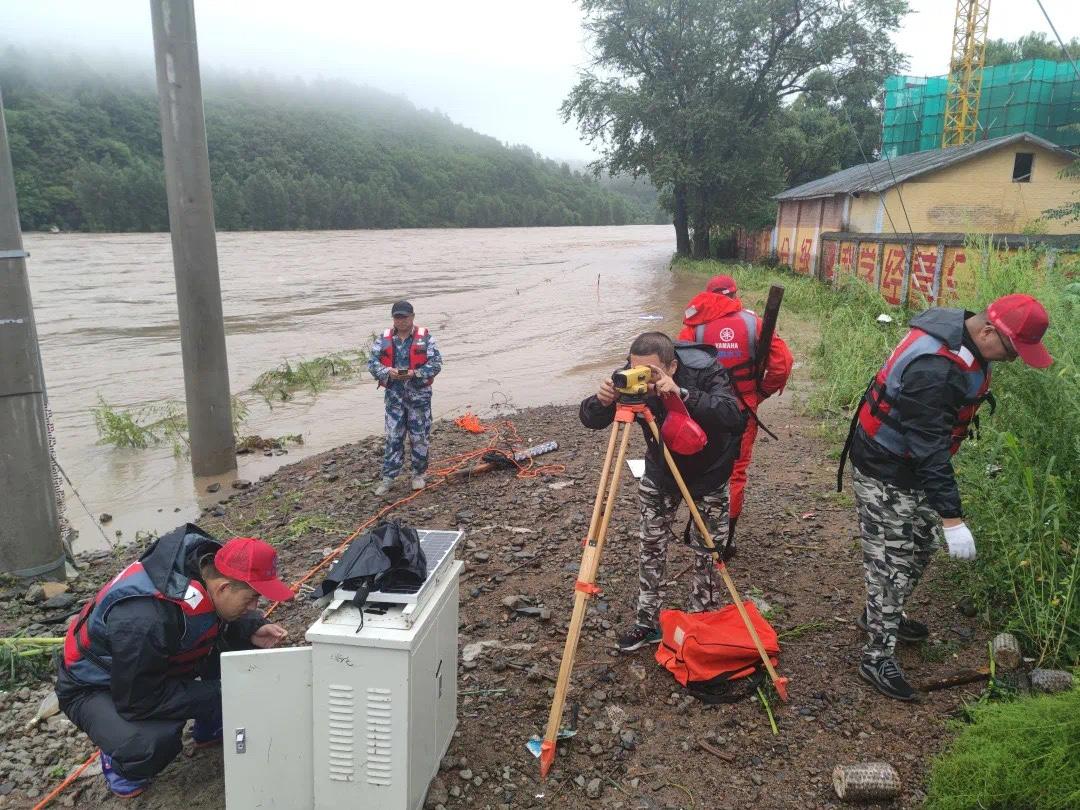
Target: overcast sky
point(500, 67)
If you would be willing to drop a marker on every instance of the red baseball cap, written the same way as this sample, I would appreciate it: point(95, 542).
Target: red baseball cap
point(721, 284)
point(1023, 320)
point(253, 562)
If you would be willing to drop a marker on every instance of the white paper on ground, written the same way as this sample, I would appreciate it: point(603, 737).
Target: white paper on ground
point(637, 466)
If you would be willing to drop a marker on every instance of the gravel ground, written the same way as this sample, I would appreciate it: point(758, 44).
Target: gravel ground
point(641, 742)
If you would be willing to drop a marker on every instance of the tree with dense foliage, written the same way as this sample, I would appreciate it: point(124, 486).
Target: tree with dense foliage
point(86, 147)
point(692, 92)
point(1035, 45)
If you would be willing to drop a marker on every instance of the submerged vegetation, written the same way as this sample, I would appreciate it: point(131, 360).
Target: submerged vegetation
point(165, 423)
point(314, 375)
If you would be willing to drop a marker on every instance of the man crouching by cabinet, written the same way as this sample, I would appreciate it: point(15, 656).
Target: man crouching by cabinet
point(142, 657)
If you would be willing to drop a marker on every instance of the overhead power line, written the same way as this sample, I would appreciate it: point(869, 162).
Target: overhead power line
point(1061, 42)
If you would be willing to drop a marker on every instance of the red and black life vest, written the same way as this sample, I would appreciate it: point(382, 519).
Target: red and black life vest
point(735, 337)
point(86, 652)
point(875, 412)
point(418, 353)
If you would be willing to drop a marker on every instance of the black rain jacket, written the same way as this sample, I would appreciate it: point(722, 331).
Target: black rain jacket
point(932, 391)
point(711, 403)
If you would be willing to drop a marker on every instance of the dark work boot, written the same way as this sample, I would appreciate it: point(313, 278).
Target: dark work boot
point(909, 629)
point(886, 676)
point(637, 637)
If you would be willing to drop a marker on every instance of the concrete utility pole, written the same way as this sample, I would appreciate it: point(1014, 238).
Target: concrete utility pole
point(30, 544)
point(194, 244)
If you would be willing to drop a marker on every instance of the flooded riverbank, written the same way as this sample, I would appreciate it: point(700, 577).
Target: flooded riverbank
point(523, 317)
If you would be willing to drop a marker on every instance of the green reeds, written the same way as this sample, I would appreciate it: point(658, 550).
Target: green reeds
point(24, 659)
point(313, 375)
point(163, 424)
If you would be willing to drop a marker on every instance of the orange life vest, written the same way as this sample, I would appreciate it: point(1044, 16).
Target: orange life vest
point(418, 354)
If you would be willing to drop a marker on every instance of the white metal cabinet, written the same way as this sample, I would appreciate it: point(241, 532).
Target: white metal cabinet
point(362, 717)
point(266, 716)
point(381, 722)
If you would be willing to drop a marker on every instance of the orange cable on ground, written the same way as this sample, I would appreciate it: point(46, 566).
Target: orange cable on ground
point(71, 778)
point(502, 433)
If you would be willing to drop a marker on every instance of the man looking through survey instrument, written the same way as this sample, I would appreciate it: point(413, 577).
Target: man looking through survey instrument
point(701, 422)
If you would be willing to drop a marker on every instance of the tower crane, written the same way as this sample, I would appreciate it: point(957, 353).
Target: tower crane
point(965, 72)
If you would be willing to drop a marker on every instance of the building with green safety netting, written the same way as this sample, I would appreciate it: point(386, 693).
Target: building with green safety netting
point(1036, 96)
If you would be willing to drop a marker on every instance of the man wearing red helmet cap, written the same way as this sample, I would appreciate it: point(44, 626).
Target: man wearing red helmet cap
point(141, 658)
point(914, 416)
point(717, 317)
point(701, 423)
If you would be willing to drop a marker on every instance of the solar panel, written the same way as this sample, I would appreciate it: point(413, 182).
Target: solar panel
point(438, 547)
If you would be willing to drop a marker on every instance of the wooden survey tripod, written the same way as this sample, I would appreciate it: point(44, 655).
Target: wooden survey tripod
point(627, 411)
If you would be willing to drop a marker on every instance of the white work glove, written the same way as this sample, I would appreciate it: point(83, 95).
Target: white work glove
point(961, 543)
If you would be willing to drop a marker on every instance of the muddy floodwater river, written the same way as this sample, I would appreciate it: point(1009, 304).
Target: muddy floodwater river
point(522, 316)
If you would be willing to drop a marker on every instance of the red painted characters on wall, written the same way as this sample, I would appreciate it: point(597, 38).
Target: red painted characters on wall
point(954, 260)
point(829, 254)
point(783, 255)
point(892, 275)
point(847, 253)
point(921, 289)
point(867, 263)
point(802, 265)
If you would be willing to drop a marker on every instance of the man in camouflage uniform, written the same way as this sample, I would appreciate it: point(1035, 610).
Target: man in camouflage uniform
point(691, 373)
point(405, 360)
point(914, 416)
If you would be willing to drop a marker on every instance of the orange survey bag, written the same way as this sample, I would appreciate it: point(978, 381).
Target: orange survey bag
point(707, 651)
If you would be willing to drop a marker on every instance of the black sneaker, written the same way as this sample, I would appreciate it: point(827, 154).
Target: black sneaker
point(637, 637)
point(909, 630)
point(885, 676)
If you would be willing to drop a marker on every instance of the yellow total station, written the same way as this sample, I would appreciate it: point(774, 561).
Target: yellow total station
point(632, 381)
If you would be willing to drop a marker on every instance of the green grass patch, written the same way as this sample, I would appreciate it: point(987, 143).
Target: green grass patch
point(1024, 754)
point(311, 524)
point(801, 630)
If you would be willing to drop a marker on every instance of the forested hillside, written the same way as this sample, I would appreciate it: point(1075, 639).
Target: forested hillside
point(283, 155)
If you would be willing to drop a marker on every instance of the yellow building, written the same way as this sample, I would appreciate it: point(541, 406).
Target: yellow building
point(901, 224)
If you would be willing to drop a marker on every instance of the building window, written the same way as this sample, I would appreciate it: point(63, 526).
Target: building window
point(1022, 167)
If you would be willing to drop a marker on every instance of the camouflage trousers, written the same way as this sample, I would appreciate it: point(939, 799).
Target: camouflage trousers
point(407, 412)
point(900, 532)
point(658, 509)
